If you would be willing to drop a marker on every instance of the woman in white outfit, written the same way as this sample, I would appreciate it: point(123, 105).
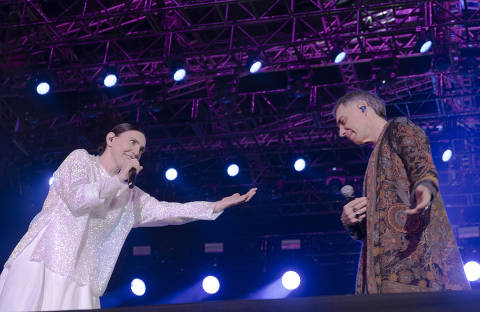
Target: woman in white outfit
point(67, 256)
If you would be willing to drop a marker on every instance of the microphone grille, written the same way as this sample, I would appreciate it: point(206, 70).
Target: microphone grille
point(347, 191)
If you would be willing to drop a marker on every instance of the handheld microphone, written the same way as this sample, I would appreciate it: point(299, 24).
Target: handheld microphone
point(348, 192)
point(132, 173)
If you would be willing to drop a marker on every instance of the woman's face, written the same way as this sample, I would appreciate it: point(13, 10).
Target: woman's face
point(129, 144)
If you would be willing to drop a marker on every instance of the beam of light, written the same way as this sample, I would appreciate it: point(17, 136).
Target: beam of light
point(192, 293)
point(138, 287)
point(210, 284)
point(43, 88)
point(274, 290)
point(179, 74)
point(291, 280)
point(472, 271)
point(171, 174)
point(233, 170)
point(110, 80)
point(50, 181)
point(447, 155)
point(299, 164)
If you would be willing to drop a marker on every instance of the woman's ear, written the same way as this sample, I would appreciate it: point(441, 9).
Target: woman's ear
point(109, 138)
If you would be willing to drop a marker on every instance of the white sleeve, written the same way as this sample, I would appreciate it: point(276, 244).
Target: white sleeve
point(152, 212)
point(75, 188)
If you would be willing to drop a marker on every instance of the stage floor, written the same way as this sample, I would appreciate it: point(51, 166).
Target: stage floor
point(422, 302)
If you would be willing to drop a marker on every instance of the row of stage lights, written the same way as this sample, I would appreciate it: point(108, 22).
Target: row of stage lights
point(423, 46)
point(179, 72)
point(290, 280)
point(211, 285)
point(233, 169)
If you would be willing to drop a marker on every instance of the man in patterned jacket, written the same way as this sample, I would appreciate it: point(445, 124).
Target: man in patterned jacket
point(408, 243)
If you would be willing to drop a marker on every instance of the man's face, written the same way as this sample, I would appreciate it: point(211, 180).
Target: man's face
point(129, 144)
point(352, 123)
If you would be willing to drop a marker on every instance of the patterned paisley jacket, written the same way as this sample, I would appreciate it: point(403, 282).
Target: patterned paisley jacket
point(403, 253)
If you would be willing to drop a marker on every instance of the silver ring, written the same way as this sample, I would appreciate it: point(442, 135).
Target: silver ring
point(357, 215)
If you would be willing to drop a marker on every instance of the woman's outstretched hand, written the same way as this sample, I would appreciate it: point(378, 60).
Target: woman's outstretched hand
point(234, 199)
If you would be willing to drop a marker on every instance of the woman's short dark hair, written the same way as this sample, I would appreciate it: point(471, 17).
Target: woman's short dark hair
point(359, 95)
point(117, 130)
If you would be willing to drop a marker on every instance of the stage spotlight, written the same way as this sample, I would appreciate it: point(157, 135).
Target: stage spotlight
point(426, 46)
point(299, 164)
point(233, 170)
point(177, 69)
point(138, 287)
point(211, 284)
point(255, 67)
point(337, 54)
point(447, 155)
point(291, 280)
point(42, 82)
point(424, 41)
point(340, 57)
point(50, 181)
point(43, 87)
point(254, 63)
point(110, 80)
point(179, 74)
point(171, 174)
point(472, 271)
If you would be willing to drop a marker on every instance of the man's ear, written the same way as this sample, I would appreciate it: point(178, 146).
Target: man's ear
point(361, 104)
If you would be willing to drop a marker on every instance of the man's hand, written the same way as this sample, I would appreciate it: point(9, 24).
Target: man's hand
point(423, 197)
point(355, 211)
